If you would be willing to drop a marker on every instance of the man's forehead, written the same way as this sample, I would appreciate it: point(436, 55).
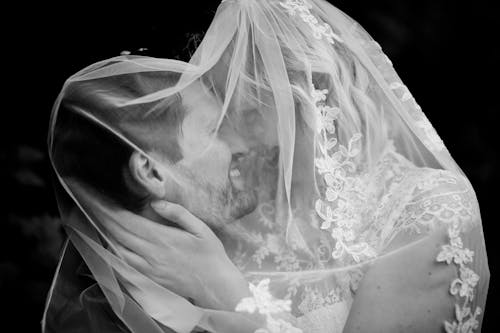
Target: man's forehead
point(201, 108)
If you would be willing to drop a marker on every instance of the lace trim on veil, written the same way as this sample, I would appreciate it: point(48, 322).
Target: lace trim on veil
point(397, 205)
point(466, 320)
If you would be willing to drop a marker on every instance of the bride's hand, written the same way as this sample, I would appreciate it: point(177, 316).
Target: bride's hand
point(190, 261)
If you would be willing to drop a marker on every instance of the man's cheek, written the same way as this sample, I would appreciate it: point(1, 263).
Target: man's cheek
point(209, 172)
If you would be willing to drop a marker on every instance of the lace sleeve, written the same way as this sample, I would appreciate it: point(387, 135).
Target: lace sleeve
point(440, 198)
point(428, 281)
point(444, 201)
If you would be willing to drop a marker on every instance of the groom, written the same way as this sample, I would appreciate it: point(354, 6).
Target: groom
point(200, 171)
point(209, 178)
point(186, 159)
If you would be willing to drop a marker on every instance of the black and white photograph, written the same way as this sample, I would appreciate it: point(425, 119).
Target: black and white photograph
point(250, 166)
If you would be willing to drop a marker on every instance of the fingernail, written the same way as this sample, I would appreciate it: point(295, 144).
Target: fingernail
point(159, 205)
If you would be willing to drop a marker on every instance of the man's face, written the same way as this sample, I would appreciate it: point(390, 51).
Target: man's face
point(213, 175)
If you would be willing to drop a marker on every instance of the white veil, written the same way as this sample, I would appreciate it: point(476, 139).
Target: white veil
point(346, 168)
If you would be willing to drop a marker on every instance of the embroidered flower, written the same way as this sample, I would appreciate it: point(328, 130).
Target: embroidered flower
point(454, 252)
point(430, 138)
point(463, 286)
point(451, 254)
point(262, 300)
point(330, 114)
point(318, 95)
point(264, 303)
point(337, 211)
point(292, 7)
point(331, 195)
point(469, 277)
point(335, 187)
point(466, 321)
point(303, 9)
point(326, 115)
point(406, 95)
point(335, 180)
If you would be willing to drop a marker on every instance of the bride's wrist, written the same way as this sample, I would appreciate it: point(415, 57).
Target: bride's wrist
point(237, 288)
point(227, 290)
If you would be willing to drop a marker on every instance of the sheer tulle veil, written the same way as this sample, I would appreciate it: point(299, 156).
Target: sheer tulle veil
point(346, 169)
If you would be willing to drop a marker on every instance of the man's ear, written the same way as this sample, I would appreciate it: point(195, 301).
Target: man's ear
point(148, 174)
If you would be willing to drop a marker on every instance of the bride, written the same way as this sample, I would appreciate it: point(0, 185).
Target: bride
point(284, 180)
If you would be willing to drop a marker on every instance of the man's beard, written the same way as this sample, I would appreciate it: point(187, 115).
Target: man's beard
point(241, 202)
point(230, 203)
point(219, 205)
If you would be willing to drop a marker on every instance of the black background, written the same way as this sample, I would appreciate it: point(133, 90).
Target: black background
point(443, 50)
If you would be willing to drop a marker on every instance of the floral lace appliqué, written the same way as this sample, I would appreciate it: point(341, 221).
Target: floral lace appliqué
point(264, 303)
point(303, 9)
point(430, 137)
point(314, 299)
point(439, 198)
point(336, 210)
point(466, 320)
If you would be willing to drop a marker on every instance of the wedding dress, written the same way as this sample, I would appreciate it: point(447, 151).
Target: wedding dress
point(348, 172)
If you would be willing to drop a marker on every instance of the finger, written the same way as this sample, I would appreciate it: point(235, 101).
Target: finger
point(180, 216)
point(126, 238)
point(137, 225)
point(123, 228)
point(133, 223)
point(138, 262)
point(150, 231)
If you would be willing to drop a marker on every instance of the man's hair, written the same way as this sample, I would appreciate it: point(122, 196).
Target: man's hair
point(90, 153)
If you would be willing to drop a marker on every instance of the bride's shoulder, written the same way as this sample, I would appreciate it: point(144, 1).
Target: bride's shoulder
point(427, 217)
point(417, 201)
point(441, 198)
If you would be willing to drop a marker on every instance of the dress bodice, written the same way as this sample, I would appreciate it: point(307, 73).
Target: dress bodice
point(405, 202)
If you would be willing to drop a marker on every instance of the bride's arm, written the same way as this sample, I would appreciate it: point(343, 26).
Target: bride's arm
point(433, 279)
point(407, 291)
point(190, 262)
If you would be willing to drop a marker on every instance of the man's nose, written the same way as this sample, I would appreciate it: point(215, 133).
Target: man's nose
point(238, 147)
point(235, 142)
